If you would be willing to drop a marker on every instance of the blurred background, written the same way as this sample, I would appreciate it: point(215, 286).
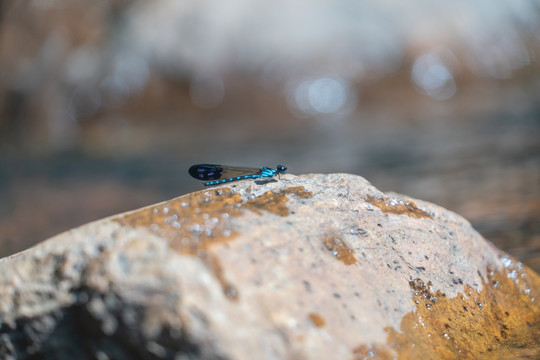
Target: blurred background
point(105, 104)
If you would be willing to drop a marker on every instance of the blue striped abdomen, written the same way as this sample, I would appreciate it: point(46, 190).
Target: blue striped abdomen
point(223, 181)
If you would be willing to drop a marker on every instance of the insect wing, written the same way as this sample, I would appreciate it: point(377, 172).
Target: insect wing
point(215, 172)
point(234, 171)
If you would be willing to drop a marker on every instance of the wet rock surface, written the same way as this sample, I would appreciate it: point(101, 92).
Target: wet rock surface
point(315, 266)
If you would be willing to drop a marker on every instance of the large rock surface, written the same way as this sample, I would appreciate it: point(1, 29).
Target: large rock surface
point(308, 267)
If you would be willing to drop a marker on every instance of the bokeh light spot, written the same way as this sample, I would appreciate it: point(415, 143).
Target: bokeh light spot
point(433, 77)
point(319, 96)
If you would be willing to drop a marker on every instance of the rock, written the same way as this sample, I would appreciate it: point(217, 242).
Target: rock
point(307, 267)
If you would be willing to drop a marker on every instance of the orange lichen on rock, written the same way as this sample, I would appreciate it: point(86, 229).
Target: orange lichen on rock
point(398, 207)
point(192, 223)
point(340, 250)
point(501, 321)
point(276, 202)
point(374, 352)
point(316, 319)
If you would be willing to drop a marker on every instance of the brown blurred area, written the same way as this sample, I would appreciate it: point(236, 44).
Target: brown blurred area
point(105, 104)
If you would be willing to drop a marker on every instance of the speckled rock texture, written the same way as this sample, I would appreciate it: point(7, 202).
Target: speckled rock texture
point(305, 267)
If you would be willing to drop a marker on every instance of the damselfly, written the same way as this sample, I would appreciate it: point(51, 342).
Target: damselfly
point(219, 174)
